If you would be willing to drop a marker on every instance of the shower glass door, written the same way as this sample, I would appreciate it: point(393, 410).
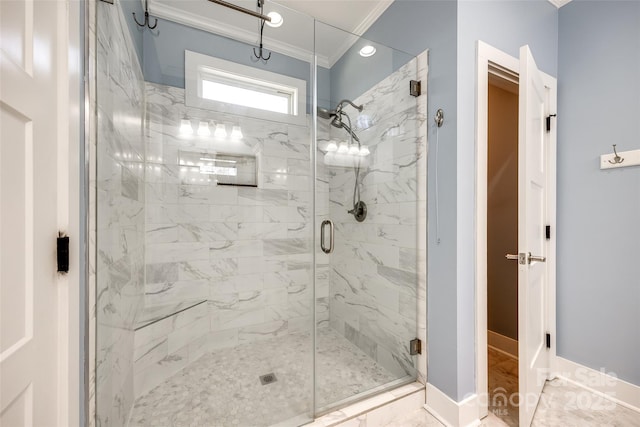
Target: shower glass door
point(366, 209)
point(204, 208)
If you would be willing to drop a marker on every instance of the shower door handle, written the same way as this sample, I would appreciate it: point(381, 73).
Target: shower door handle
point(331, 235)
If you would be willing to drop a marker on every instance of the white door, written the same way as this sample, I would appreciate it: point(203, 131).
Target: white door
point(30, 340)
point(532, 207)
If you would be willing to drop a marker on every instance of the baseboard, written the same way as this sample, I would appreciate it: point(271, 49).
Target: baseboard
point(599, 382)
point(452, 413)
point(503, 343)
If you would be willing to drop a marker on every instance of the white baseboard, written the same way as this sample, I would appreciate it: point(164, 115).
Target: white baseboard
point(599, 382)
point(503, 343)
point(452, 413)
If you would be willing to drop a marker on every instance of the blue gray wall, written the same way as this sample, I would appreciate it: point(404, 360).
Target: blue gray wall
point(352, 75)
point(506, 25)
point(598, 289)
point(450, 30)
point(415, 26)
point(161, 53)
point(164, 55)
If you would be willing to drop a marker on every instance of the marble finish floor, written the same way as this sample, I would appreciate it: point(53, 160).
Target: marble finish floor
point(558, 407)
point(222, 388)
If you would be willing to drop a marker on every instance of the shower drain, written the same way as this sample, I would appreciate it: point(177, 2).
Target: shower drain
point(268, 378)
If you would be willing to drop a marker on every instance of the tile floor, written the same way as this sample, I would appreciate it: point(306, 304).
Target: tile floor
point(222, 388)
point(562, 404)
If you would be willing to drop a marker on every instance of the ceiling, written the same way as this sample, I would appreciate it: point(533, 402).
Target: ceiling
point(296, 35)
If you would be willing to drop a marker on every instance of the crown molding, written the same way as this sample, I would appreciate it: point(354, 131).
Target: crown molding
point(217, 27)
point(559, 3)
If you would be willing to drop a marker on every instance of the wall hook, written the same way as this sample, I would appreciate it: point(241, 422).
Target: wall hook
point(260, 53)
point(439, 117)
point(147, 21)
point(617, 159)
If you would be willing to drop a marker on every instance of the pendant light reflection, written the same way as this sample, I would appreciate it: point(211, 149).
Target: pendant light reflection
point(185, 127)
point(203, 129)
point(346, 155)
point(236, 133)
point(221, 131)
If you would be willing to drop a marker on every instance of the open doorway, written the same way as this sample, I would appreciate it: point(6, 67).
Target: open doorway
point(525, 346)
point(502, 238)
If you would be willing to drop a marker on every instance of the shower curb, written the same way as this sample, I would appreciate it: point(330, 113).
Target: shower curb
point(379, 410)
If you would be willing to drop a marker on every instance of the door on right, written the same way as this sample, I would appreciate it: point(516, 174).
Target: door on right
point(533, 188)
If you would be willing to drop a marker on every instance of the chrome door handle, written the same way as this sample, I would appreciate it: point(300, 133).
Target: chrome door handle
point(524, 259)
point(331, 235)
point(536, 258)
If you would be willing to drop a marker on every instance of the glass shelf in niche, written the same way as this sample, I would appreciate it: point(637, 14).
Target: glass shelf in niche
point(198, 167)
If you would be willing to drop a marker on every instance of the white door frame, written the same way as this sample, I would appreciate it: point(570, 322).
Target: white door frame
point(486, 55)
point(71, 217)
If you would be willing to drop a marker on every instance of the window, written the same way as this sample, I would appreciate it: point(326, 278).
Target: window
point(228, 87)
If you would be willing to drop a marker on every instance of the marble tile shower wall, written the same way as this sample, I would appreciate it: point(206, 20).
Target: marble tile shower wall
point(119, 221)
point(375, 282)
point(245, 251)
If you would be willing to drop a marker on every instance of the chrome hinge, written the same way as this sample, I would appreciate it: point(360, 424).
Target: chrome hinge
point(415, 88)
point(415, 347)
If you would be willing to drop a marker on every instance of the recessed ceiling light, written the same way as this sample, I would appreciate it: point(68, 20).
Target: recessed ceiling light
point(276, 19)
point(367, 51)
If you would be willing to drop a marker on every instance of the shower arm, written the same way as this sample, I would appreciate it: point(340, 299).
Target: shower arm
point(346, 101)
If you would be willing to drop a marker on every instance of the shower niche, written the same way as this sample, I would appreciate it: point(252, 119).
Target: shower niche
point(218, 168)
point(211, 276)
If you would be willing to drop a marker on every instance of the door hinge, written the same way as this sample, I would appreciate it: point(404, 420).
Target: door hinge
point(415, 88)
point(549, 122)
point(548, 339)
point(415, 347)
point(63, 253)
point(547, 232)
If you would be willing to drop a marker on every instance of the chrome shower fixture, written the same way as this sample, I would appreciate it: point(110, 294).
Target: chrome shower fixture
point(359, 210)
point(336, 115)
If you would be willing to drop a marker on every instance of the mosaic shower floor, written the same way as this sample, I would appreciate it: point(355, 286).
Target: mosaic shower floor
point(223, 388)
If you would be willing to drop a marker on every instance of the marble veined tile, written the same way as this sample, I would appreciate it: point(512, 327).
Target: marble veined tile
point(222, 387)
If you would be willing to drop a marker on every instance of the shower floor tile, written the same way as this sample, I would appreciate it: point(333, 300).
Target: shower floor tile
point(223, 388)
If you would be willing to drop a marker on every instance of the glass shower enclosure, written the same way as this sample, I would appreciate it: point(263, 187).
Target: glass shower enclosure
point(256, 220)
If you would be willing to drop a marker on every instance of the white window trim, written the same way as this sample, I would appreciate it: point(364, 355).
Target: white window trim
point(196, 65)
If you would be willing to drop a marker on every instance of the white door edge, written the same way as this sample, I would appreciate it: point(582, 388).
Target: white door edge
point(485, 56)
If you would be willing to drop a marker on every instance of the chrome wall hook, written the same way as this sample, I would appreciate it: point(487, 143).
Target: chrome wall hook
point(439, 117)
point(147, 21)
point(617, 159)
